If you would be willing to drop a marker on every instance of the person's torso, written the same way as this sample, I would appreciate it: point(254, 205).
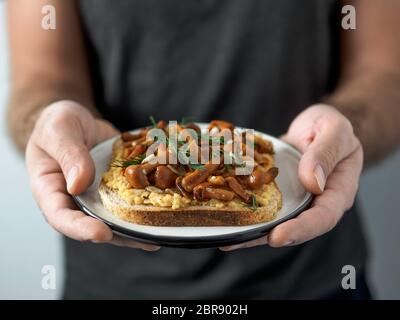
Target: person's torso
point(256, 63)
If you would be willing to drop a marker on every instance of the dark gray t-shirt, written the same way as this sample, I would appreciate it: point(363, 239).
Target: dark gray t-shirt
point(256, 63)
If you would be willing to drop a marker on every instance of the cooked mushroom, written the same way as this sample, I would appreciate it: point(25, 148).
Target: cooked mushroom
point(259, 177)
point(218, 193)
point(127, 151)
point(127, 144)
point(164, 154)
point(220, 124)
point(137, 150)
point(193, 126)
point(238, 189)
point(248, 151)
point(148, 167)
point(127, 136)
point(187, 135)
point(212, 180)
point(243, 180)
point(204, 191)
point(178, 184)
point(258, 157)
point(198, 191)
point(140, 140)
point(136, 177)
point(198, 176)
point(151, 178)
point(178, 170)
point(216, 180)
point(262, 145)
point(147, 142)
point(162, 124)
point(164, 177)
point(265, 159)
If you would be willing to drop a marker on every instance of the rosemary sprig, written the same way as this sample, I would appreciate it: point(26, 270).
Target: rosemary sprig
point(254, 203)
point(120, 163)
point(153, 122)
point(228, 166)
point(196, 166)
point(217, 139)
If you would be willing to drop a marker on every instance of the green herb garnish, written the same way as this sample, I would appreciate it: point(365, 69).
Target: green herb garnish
point(228, 166)
point(153, 122)
point(119, 163)
point(196, 166)
point(217, 139)
point(254, 204)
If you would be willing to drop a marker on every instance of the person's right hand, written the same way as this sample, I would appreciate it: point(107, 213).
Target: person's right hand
point(59, 164)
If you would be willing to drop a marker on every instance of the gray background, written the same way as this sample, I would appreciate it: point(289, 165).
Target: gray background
point(28, 244)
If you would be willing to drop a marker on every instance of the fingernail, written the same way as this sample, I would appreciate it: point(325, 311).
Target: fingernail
point(234, 247)
point(320, 176)
point(151, 248)
point(71, 176)
point(99, 241)
point(288, 243)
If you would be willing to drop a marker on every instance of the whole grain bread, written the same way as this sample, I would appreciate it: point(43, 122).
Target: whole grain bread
point(189, 216)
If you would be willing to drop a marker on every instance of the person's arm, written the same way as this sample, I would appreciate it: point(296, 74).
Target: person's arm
point(365, 107)
point(52, 115)
point(46, 65)
point(369, 89)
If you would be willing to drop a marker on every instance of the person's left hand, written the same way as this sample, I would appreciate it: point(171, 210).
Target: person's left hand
point(330, 168)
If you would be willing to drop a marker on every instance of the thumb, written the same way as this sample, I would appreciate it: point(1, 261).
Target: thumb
point(65, 132)
point(315, 166)
point(75, 162)
point(329, 147)
point(333, 140)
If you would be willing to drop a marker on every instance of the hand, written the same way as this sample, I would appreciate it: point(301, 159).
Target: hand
point(59, 164)
point(330, 168)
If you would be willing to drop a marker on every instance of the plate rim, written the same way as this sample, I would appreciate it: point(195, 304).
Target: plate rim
point(198, 241)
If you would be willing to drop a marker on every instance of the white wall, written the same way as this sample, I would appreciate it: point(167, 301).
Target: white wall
point(27, 243)
point(380, 201)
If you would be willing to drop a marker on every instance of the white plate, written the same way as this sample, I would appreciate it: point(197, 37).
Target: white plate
point(295, 200)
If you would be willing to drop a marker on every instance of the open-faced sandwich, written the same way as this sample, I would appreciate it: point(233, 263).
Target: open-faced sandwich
point(175, 174)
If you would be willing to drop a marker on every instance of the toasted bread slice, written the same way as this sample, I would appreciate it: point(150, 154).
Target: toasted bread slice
point(160, 209)
point(192, 215)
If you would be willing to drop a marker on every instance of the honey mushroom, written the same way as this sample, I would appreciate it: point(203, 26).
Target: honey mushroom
point(211, 180)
